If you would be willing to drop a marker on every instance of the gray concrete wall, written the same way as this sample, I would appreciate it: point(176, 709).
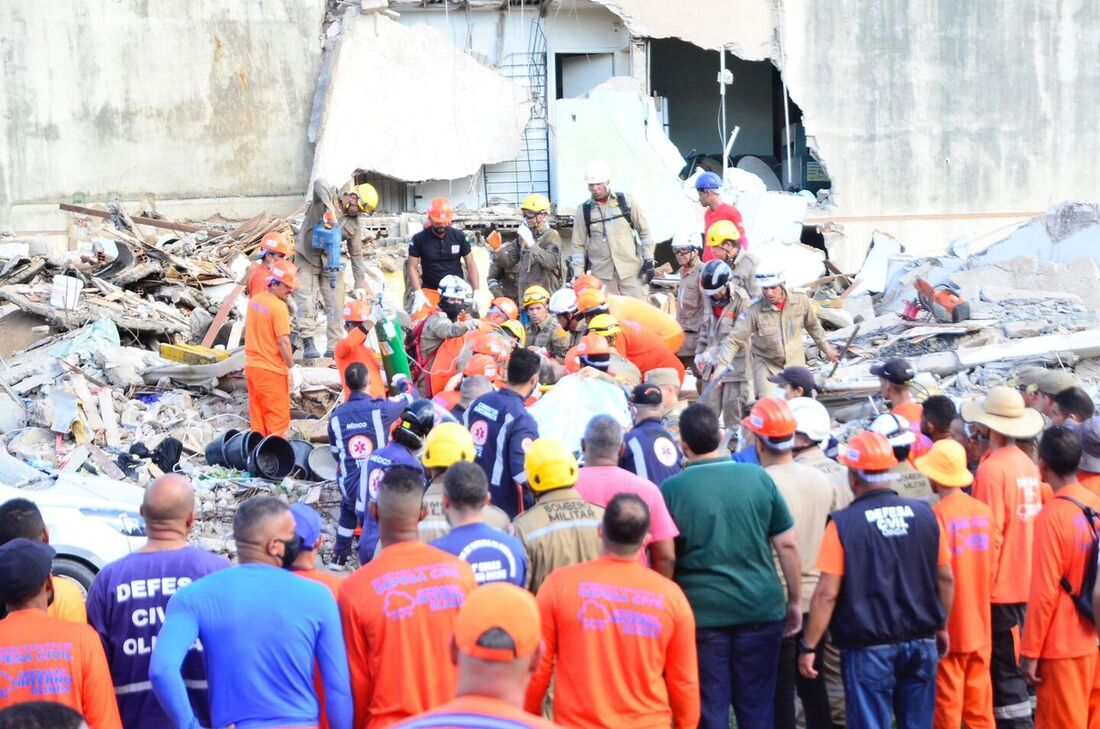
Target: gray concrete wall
point(189, 98)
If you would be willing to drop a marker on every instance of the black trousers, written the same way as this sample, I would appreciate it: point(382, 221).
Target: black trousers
point(1011, 702)
point(815, 699)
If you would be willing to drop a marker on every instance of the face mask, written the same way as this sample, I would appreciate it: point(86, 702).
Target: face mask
point(451, 308)
point(291, 548)
point(780, 392)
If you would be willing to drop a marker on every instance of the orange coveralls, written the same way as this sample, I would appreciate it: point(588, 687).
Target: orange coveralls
point(265, 372)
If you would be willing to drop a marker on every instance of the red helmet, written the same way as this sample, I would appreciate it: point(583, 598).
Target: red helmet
point(868, 451)
point(771, 418)
point(357, 311)
point(440, 211)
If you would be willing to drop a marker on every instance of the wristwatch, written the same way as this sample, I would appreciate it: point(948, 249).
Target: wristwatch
point(804, 647)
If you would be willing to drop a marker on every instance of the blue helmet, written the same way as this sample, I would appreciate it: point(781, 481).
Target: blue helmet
point(708, 181)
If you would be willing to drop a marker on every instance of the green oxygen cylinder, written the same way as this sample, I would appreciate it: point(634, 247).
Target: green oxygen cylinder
point(391, 343)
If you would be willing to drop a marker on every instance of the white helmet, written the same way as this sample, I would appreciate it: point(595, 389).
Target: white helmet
point(768, 277)
point(688, 239)
point(453, 287)
point(563, 301)
point(895, 429)
point(596, 174)
point(811, 418)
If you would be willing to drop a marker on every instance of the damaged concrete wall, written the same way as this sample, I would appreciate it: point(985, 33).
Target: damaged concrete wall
point(745, 26)
point(192, 98)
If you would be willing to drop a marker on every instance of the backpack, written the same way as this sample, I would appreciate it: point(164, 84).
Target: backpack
point(1083, 600)
point(624, 212)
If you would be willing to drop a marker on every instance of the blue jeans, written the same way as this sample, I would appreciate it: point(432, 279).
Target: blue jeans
point(737, 665)
point(897, 679)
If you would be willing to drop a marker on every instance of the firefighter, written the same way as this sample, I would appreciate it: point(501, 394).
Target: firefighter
point(268, 356)
point(691, 312)
point(274, 246)
point(543, 330)
point(726, 303)
point(354, 348)
point(440, 338)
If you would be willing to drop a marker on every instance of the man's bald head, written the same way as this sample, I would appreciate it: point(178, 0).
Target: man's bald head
point(169, 500)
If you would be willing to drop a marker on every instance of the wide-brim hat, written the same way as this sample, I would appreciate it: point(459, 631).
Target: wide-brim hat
point(945, 464)
point(1002, 409)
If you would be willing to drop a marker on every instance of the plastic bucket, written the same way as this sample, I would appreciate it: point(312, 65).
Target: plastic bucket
point(215, 449)
point(302, 449)
point(237, 448)
point(273, 458)
point(66, 292)
point(322, 464)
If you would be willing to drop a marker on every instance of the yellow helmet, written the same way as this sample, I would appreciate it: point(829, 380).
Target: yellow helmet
point(605, 325)
point(447, 444)
point(535, 295)
point(368, 196)
point(722, 231)
point(516, 330)
point(549, 465)
point(536, 203)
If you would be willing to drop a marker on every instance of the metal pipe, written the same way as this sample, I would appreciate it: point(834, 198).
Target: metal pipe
point(722, 113)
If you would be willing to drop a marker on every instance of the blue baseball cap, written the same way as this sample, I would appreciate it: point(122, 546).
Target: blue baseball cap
point(24, 568)
point(307, 524)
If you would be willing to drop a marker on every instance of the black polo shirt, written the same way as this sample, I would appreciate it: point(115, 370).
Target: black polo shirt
point(439, 257)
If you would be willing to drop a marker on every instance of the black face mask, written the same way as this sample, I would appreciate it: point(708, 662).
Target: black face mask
point(451, 308)
point(291, 549)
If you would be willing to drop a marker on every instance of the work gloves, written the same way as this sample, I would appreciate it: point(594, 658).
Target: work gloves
point(526, 237)
point(649, 270)
point(419, 301)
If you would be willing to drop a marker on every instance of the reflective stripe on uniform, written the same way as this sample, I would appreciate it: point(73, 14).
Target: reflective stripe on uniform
point(1022, 710)
point(502, 438)
point(543, 531)
point(379, 434)
point(335, 421)
point(345, 531)
point(136, 688)
point(639, 458)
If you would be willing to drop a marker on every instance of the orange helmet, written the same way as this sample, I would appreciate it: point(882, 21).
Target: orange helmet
point(506, 306)
point(286, 273)
point(329, 219)
point(357, 311)
point(589, 300)
point(482, 364)
point(440, 211)
point(771, 418)
point(868, 451)
point(592, 345)
point(586, 281)
point(277, 242)
point(488, 343)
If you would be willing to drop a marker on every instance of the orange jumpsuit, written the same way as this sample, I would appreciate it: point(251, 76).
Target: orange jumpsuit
point(1054, 631)
point(353, 348)
point(665, 326)
point(964, 689)
point(265, 372)
point(646, 350)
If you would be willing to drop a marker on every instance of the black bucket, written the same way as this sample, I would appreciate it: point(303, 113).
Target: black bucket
point(215, 449)
point(273, 458)
point(302, 449)
point(237, 448)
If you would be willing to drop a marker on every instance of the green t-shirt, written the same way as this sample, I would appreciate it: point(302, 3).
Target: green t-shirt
point(726, 513)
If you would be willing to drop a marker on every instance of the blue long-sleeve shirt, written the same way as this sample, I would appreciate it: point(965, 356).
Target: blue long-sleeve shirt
point(261, 629)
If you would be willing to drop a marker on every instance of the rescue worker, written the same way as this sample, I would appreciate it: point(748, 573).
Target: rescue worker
point(274, 246)
point(21, 518)
point(539, 261)
point(354, 348)
point(1009, 483)
point(264, 632)
point(602, 478)
point(649, 450)
point(1051, 383)
point(1027, 381)
point(501, 309)
point(493, 553)
point(356, 429)
point(48, 659)
point(775, 323)
point(119, 613)
point(268, 356)
point(894, 376)
point(644, 676)
point(792, 382)
point(497, 645)
point(723, 243)
point(501, 278)
point(911, 483)
point(563, 307)
point(672, 406)
point(1088, 472)
point(884, 594)
point(690, 305)
point(441, 336)
point(715, 360)
point(937, 412)
point(438, 251)
point(446, 445)
point(472, 387)
point(611, 238)
point(964, 690)
point(1072, 407)
point(592, 301)
point(561, 528)
point(543, 330)
point(809, 499)
point(707, 186)
point(503, 431)
point(406, 441)
point(1058, 645)
point(342, 210)
point(643, 348)
point(398, 610)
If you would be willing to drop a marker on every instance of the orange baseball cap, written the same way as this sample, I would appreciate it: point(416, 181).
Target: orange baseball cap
point(498, 605)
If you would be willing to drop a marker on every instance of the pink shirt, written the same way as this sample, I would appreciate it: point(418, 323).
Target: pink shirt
point(597, 484)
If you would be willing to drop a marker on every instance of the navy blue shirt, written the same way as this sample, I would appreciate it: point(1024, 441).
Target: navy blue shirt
point(439, 257)
point(650, 452)
point(503, 430)
point(356, 429)
point(378, 463)
point(493, 555)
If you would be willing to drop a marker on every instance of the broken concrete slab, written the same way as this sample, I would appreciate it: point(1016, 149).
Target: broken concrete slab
point(746, 27)
point(374, 109)
point(1079, 278)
